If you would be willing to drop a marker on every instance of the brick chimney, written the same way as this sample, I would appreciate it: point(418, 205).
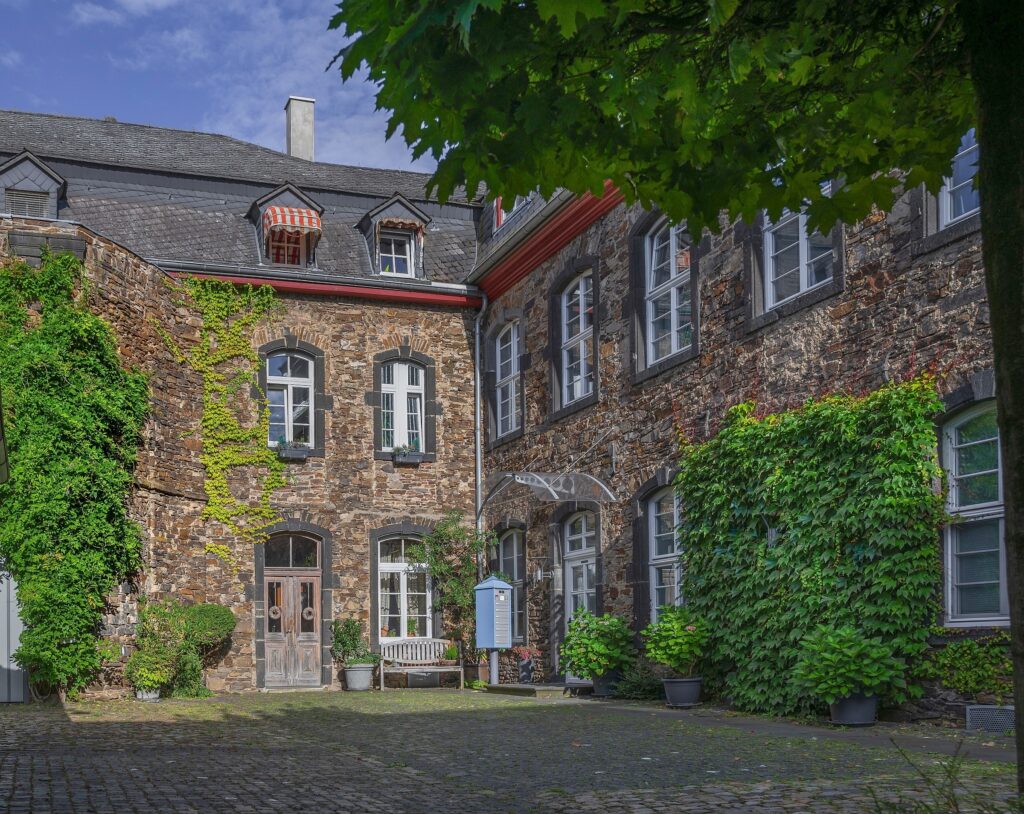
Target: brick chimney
point(299, 126)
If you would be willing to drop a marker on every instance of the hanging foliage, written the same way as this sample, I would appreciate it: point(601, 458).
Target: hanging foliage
point(73, 417)
point(828, 514)
point(231, 440)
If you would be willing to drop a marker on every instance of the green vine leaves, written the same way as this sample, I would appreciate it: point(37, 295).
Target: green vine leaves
point(229, 366)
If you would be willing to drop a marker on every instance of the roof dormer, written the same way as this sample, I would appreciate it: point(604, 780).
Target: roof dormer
point(29, 187)
point(288, 227)
point(394, 234)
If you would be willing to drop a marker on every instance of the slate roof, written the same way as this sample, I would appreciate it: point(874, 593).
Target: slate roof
point(179, 195)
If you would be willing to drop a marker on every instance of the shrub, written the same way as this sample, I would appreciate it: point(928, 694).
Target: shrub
point(596, 645)
point(836, 663)
point(150, 669)
point(640, 682)
point(348, 645)
point(208, 625)
point(677, 639)
point(973, 666)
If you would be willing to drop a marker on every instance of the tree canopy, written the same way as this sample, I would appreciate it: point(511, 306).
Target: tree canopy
point(696, 107)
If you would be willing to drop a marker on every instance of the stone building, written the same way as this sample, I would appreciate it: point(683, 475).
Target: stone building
point(603, 331)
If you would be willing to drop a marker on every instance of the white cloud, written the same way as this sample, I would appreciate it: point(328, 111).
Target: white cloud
point(185, 47)
point(10, 59)
point(92, 13)
point(141, 7)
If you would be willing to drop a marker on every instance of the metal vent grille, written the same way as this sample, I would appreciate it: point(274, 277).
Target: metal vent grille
point(28, 204)
point(989, 718)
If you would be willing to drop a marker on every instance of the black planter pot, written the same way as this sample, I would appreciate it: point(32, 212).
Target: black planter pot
point(856, 710)
point(682, 692)
point(407, 458)
point(293, 453)
point(605, 685)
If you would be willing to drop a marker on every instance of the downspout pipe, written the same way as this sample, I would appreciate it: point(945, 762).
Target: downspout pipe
point(477, 424)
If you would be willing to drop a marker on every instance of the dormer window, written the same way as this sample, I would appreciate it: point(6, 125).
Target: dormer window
point(290, 235)
point(396, 254)
point(287, 249)
point(28, 204)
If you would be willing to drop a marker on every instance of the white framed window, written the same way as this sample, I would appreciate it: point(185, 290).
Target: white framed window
point(506, 396)
point(975, 556)
point(577, 352)
point(666, 571)
point(290, 388)
point(396, 254)
point(401, 405)
point(958, 199)
point(509, 557)
point(28, 203)
point(404, 591)
point(579, 563)
point(795, 260)
point(285, 248)
point(668, 302)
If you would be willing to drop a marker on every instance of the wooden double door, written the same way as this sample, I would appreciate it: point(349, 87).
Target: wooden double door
point(291, 632)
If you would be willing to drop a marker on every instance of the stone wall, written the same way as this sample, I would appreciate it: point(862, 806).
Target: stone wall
point(346, 491)
point(906, 305)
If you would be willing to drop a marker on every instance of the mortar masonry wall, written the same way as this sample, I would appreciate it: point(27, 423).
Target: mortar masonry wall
point(900, 312)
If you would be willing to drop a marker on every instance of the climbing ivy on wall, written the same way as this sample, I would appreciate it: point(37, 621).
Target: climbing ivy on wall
point(232, 439)
point(73, 417)
point(825, 514)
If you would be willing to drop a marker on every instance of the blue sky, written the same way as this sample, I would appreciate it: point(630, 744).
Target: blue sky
point(223, 66)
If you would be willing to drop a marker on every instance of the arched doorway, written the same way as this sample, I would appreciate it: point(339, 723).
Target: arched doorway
point(292, 621)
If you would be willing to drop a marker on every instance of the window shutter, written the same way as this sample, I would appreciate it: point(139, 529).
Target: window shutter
point(521, 565)
point(28, 204)
point(641, 584)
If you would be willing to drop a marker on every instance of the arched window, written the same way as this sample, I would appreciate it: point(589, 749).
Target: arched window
point(663, 550)
point(290, 386)
point(404, 591)
point(506, 398)
point(579, 563)
point(577, 352)
point(401, 406)
point(669, 306)
point(975, 550)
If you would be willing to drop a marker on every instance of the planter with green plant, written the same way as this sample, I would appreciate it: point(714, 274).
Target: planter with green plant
point(597, 648)
point(848, 671)
point(351, 650)
point(292, 450)
point(677, 640)
point(149, 672)
point(406, 454)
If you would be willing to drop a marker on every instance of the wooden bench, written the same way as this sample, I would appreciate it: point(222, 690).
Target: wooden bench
point(418, 656)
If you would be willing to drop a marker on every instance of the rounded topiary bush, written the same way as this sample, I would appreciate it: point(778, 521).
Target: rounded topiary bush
point(208, 625)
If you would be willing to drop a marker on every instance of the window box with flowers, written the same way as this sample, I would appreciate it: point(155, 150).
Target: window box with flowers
point(407, 454)
point(293, 451)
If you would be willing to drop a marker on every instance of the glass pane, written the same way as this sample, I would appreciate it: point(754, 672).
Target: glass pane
point(982, 535)
point(978, 599)
point(387, 374)
point(413, 372)
point(417, 626)
point(391, 623)
point(276, 398)
point(819, 256)
point(963, 200)
point(416, 583)
point(978, 457)
point(416, 604)
point(300, 433)
point(401, 265)
point(576, 579)
point(786, 286)
point(277, 364)
point(587, 289)
point(391, 582)
point(684, 316)
point(275, 607)
point(785, 248)
point(978, 489)
point(299, 367)
point(572, 312)
point(982, 567)
point(304, 552)
point(391, 551)
point(307, 614)
point(661, 325)
point(300, 397)
point(275, 552)
point(979, 428)
point(414, 405)
point(661, 267)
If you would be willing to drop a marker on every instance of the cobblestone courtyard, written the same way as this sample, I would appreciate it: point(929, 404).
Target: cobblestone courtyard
point(427, 751)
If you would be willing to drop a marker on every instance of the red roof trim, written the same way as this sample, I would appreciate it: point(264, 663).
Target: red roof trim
point(343, 290)
point(550, 238)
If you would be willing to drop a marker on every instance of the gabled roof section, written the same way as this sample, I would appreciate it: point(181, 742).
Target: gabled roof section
point(397, 207)
point(285, 190)
point(39, 164)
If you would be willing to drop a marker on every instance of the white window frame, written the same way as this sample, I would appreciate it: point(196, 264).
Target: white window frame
point(805, 260)
point(281, 236)
point(410, 256)
point(946, 193)
point(656, 560)
point(506, 388)
point(991, 510)
point(583, 340)
point(513, 539)
point(397, 382)
point(404, 569)
point(585, 555)
point(677, 285)
point(287, 384)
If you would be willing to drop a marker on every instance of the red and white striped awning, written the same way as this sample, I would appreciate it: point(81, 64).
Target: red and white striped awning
point(291, 219)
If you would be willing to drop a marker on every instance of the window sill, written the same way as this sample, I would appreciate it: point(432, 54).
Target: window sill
point(952, 233)
point(798, 303)
point(508, 437)
point(407, 458)
point(298, 453)
point(969, 623)
point(575, 407)
point(665, 364)
point(388, 455)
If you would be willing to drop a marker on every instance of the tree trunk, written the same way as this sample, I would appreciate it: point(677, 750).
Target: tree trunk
point(995, 47)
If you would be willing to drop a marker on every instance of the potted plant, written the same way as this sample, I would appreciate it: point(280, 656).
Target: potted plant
point(406, 454)
point(848, 671)
point(451, 655)
point(527, 658)
point(677, 640)
point(149, 671)
point(597, 648)
point(292, 450)
point(351, 650)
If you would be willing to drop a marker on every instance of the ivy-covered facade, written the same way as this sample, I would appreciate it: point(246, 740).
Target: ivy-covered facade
point(301, 438)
